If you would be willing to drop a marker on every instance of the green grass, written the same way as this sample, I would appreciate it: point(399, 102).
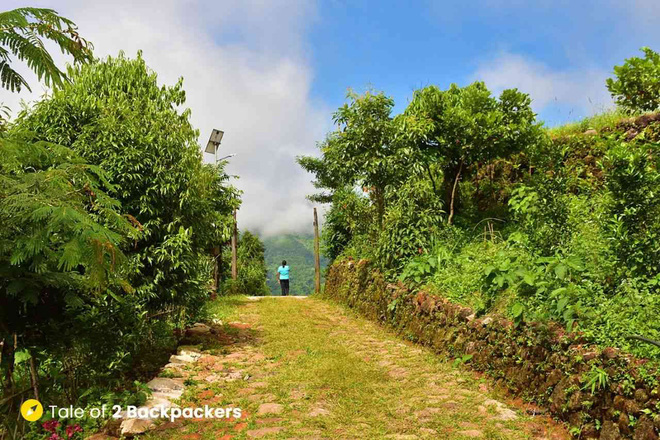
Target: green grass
point(608, 118)
point(312, 355)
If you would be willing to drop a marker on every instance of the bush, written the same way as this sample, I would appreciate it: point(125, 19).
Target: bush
point(637, 84)
point(109, 216)
point(251, 278)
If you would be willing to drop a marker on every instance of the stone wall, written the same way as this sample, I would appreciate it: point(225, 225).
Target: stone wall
point(538, 362)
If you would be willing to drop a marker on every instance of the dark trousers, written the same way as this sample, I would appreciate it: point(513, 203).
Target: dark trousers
point(284, 284)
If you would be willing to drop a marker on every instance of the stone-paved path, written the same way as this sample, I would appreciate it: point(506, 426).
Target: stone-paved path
point(309, 369)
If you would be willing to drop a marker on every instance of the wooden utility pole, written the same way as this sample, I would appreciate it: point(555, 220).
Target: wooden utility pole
point(217, 266)
point(317, 256)
point(234, 244)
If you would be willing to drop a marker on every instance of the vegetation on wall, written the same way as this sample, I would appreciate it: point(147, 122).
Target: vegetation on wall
point(500, 214)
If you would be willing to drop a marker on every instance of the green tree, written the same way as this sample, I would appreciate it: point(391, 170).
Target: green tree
point(637, 83)
point(360, 152)
point(448, 131)
point(22, 34)
point(61, 234)
point(115, 115)
point(251, 266)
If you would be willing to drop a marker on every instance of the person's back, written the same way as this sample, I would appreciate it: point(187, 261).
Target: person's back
point(283, 276)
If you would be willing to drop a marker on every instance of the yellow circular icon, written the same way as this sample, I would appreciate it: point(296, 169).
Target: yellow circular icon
point(31, 410)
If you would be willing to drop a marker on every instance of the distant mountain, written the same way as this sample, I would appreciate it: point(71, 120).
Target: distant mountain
point(298, 251)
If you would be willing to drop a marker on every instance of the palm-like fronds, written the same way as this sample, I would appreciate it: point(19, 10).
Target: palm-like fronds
point(22, 35)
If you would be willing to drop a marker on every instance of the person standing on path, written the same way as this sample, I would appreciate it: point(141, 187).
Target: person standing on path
point(283, 277)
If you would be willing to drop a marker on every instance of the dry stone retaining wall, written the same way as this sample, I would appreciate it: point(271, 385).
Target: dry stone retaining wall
point(539, 362)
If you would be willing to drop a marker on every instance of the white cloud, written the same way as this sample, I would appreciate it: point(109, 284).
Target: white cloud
point(245, 72)
point(581, 89)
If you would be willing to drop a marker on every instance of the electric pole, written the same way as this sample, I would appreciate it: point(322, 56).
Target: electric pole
point(317, 256)
point(234, 244)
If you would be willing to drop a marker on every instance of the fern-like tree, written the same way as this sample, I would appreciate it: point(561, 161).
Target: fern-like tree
point(23, 32)
point(61, 234)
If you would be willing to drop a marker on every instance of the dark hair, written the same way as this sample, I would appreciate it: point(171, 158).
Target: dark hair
point(283, 262)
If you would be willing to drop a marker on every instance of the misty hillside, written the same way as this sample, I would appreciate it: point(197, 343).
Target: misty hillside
point(298, 251)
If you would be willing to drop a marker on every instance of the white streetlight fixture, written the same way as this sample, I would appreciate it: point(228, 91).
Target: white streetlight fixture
point(226, 157)
point(214, 143)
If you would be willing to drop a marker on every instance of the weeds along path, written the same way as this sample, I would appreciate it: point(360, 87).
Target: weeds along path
point(309, 369)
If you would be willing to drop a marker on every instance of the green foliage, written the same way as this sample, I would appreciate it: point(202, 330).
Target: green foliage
point(115, 115)
point(454, 129)
point(360, 152)
point(596, 380)
point(559, 225)
point(347, 219)
point(637, 83)
point(22, 34)
point(413, 218)
point(108, 218)
point(251, 267)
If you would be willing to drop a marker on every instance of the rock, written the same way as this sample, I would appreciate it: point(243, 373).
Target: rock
point(182, 359)
point(575, 401)
point(235, 375)
point(609, 431)
point(166, 384)
point(133, 427)
point(589, 355)
point(610, 353)
point(257, 433)
point(198, 329)
point(472, 433)
point(590, 132)
point(270, 408)
point(269, 421)
point(623, 423)
point(503, 412)
point(100, 437)
point(192, 353)
point(632, 407)
point(487, 320)
point(644, 429)
point(641, 396)
point(316, 412)
point(619, 403)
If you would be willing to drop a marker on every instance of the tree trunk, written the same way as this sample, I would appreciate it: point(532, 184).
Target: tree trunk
point(453, 194)
point(8, 356)
point(34, 377)
point(380, 206)
point(317, 256)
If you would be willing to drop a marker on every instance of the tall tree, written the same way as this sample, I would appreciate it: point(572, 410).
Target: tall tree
point(360, 152)
point(451, 130)
point(22, 34)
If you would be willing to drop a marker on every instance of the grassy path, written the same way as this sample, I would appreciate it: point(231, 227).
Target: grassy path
point(308, 369)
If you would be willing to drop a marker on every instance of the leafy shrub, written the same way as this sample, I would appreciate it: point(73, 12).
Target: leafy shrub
point(637, 83)
point(413, 217)
point(108, 216)
point(251, 278)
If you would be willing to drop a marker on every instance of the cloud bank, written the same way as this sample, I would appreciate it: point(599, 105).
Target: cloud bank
point(581, 90)
point(245, 72)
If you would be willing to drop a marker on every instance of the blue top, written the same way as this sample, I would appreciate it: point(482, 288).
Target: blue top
point(284, 272)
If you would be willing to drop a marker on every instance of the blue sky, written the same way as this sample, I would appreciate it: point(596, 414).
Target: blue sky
point(270, 73)
point(397, 47)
